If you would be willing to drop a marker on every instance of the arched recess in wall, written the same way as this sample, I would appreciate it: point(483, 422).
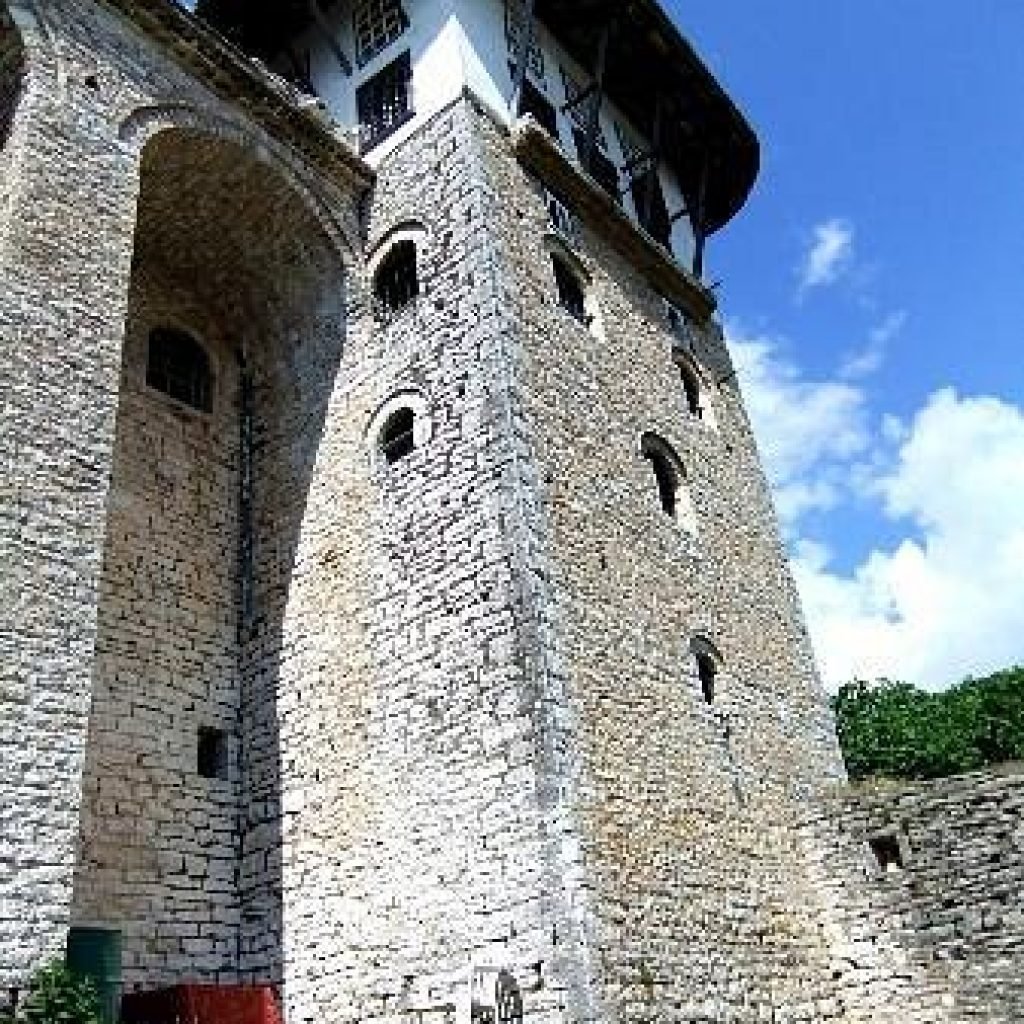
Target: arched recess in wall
point(396, 267)
point(144, 123)
point(669, 481)
point(206, 513)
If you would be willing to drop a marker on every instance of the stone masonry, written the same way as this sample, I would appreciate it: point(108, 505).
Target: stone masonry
point(464, 730)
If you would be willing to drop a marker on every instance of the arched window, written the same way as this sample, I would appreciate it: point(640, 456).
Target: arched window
point(398, 435)
point(571, 290)
point(666, 470)
point(707, 660)
point(178, 365)
point(396, 281)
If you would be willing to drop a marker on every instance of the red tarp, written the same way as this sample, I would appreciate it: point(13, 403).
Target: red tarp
point(202, 1004)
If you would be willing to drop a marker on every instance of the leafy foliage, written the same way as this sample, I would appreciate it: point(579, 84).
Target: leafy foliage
point(897, 731)
point(58, 996)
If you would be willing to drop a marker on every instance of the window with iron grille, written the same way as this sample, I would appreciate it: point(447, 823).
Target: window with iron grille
point(384, 102)
point(377, 24)
point(515, 26)
point(177, 365)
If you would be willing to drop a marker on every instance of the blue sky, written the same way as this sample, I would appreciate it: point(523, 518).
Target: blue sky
point(871, 291)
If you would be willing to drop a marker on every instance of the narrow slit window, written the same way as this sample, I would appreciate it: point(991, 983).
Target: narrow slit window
point(398, 436)
point(571, 294)
point(691, 391)
point(665, 475)
point(178, 365)
point(706, 672)
point(396, 282)
point(384, 102)
point(212, 753)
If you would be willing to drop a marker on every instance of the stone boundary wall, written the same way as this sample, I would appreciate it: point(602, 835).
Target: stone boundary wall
point(939, 937)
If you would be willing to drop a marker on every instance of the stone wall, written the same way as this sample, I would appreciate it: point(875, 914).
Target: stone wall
point(673, 890)
point(939, 938)
point(113, 671)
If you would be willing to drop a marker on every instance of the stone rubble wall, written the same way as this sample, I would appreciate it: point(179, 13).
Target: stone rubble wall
point(942, 939)
point(681, 899)
point(119, 535)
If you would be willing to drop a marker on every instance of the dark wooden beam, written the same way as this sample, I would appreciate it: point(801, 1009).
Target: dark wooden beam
point(700, 233)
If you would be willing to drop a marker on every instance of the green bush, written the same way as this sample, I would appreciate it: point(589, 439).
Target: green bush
point(894, 730)
point(57, 996)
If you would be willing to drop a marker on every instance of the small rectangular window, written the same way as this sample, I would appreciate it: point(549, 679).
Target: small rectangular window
point(384, 102)
point(212, 753)
point(377, 24)
point(533, 101)
point(886, 849)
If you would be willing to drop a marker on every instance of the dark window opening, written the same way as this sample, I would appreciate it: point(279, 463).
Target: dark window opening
point(212, 754)
point(398, 438)
point(570, 291)
point(533, 101)
point(887, 852)
point(177, 365)
point(665, 475)
point(396, 282)
point(691, 389)
point(599, 167)
point(654, 219)
point(377, 24)
point(384, 102)
point(509, 1001)
point(706, 671)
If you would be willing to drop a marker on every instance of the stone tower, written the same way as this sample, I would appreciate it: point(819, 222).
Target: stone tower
point(394, 609)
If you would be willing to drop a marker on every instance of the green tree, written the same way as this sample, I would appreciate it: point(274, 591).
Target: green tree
point(894, 730)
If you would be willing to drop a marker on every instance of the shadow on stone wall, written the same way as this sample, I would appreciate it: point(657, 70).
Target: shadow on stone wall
point(206, 510)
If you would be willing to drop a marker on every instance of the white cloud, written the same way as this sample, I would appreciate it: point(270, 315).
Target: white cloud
point(829, 255)
point(805, 429)
point(944, 600)
point(864, 361)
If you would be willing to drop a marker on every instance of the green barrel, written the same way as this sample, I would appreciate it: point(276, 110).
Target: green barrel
point(96, 953)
